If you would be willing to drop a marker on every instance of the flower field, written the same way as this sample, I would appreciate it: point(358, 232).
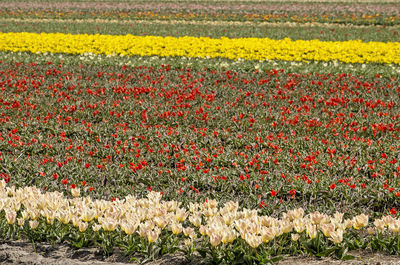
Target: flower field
point(236, 132)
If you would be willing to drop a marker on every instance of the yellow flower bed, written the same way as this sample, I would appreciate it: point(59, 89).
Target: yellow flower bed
point(354, 51)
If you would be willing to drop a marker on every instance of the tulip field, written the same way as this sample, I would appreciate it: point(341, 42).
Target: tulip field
point(227, 132)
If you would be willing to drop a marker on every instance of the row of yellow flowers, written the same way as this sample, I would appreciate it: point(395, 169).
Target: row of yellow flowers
point(354, 51)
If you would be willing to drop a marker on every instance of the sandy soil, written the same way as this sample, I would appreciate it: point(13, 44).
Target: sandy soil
point(23, 253)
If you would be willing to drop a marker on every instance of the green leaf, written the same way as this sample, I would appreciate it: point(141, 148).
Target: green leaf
point(344, 252)
point(326, 252)
point(134, 259)
point(202, 252)
point(276, 259)
point(238, 261)
point(348, 257)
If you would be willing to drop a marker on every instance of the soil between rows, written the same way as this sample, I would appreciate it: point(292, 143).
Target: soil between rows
point(22, 252)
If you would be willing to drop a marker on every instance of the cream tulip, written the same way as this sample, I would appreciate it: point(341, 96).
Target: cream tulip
point(195, 220)
point(152, 235)
point(11, 216)
point(33, 224)
point(327, 229)
point(75, 192)
point(295, 237)
point(109, 224)
point(311, 231)
point(82, 226)
point(337, 236)
point(267, 234)
point(129, 227)
point(360, 221)
point(180, 215)
point(176, 228)
point(215, 239)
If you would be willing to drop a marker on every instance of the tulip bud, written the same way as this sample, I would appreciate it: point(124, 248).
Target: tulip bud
point(295, 214)
point(299, 225)
point(188, 242)
point(203, 230)
point(3, 184)
point(229, 218)
point(370, 231)
point(295, 237)
point(152, 235)
point(286, 226)
point(318, 218)
point(176, 228)
point(33, 224)
point(379, 224)
point(75, 192)
point(394, 227)
point(11, 216)
point(312, 231)
point(20, 221)
point(82, 226)
point(193, 207)
point(143, 231)
point(96, 227)
point(188, 231)
point(349, 223)
point(88, 214)
point(181, 215)
point(360, 221)
point(338, 217)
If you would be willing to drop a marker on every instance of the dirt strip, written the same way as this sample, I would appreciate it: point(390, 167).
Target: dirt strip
point(21, 252)
point(183, 22)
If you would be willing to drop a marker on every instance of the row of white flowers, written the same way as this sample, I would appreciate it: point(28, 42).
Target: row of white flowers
point(149, 216)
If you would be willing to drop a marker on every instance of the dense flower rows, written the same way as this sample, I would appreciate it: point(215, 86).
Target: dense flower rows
point(353, 13)
point(275, 138)
point(246, 48)
point(205, 6)
point(100, 21)
point(277, 134)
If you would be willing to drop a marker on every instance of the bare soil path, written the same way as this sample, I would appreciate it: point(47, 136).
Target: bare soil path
point(20, 252)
